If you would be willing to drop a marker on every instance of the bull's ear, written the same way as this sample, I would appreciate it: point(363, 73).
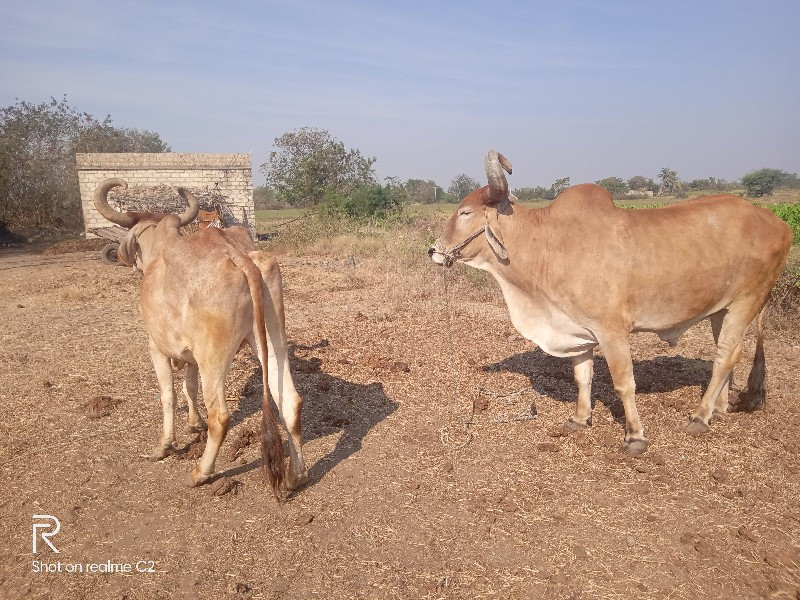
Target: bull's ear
point(496, 243)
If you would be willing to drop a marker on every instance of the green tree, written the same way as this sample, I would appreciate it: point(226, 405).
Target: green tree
point(424, 192)
point(788, 180)
point(669, 181)
point(701, 184)
point(764, 181)
point(615, 185)
point(641, 183)
point(396, 190)
point(38, 174)
point(559, 185)
point(461, 185)
point(265, 198)
point(310, 161)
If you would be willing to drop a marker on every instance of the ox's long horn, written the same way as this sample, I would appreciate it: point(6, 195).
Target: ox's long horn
point(193, 206)
point(101, 203)
point(498, 186)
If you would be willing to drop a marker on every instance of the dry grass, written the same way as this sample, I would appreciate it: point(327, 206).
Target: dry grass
point(340, 238)
point(75, 245)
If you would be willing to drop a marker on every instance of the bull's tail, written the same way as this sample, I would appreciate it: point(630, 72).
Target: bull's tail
point(272, 455)
point(755, 396)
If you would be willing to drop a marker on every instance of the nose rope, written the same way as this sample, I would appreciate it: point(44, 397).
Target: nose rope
point(451, 255)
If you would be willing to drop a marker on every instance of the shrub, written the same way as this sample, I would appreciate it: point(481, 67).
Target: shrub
point(367, 202)
point(790, 213)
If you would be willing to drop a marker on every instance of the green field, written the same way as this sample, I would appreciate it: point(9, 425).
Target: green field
point(268, 219)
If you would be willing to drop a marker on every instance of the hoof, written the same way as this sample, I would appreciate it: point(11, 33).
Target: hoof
point(573, 425)
point(194, 479)
point(197, 428)
point(294, 481)
point(696, 426)
point(636, 447)
point(719, 415)
point(162, 451)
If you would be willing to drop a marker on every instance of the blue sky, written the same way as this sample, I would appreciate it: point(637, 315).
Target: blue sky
point(585, 89)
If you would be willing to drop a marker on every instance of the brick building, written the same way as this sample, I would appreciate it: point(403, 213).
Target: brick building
point(224, 179)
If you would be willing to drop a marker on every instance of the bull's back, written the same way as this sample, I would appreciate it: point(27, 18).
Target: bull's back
point(654, 268)
point(717, 233)
point(697, 257)
point(194, 295)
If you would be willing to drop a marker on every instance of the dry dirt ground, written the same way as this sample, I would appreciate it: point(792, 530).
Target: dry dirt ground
point(399, 505)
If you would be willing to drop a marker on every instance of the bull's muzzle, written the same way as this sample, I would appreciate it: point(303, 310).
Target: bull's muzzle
point(446, 259)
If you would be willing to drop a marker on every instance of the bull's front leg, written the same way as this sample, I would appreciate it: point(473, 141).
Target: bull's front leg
point(163, 367)
point(617, 351)
point(583, 370)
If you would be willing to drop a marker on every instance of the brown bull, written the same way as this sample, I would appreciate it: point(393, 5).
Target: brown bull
point(203, 295)
point(583, 273)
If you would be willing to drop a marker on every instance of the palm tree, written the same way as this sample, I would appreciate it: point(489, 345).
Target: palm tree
point(669, 181)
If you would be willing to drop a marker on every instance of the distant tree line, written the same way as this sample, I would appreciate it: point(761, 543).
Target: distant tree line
point(311, 168)
point(38, 175)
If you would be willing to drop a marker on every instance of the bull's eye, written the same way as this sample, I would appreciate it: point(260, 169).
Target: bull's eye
point(464, 212)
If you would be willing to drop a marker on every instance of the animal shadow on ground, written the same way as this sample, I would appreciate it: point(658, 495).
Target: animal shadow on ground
point(552, 376)
point(330, 405)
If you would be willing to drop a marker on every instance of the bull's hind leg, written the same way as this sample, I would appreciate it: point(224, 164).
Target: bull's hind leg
point(212, 377)
point(290, 405)
point(583, 369)
point(721, 405)
point(163, 368)
point(281, 384)
point(729, 351)
point(196, 423)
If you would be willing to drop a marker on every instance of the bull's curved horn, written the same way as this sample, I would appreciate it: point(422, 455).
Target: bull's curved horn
point(101, 203)
point(193, 206)
point(498, 186)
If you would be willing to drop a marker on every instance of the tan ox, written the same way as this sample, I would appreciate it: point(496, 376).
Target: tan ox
point(583, 273)
point(202, 296)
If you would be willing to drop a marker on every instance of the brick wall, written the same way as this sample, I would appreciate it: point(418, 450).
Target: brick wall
point(226, 178)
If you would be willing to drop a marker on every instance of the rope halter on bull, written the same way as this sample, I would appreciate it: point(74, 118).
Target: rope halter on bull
point(497, 193)
point(454, 253)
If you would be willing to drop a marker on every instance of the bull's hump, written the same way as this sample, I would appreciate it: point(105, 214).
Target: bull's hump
point(584, 197)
